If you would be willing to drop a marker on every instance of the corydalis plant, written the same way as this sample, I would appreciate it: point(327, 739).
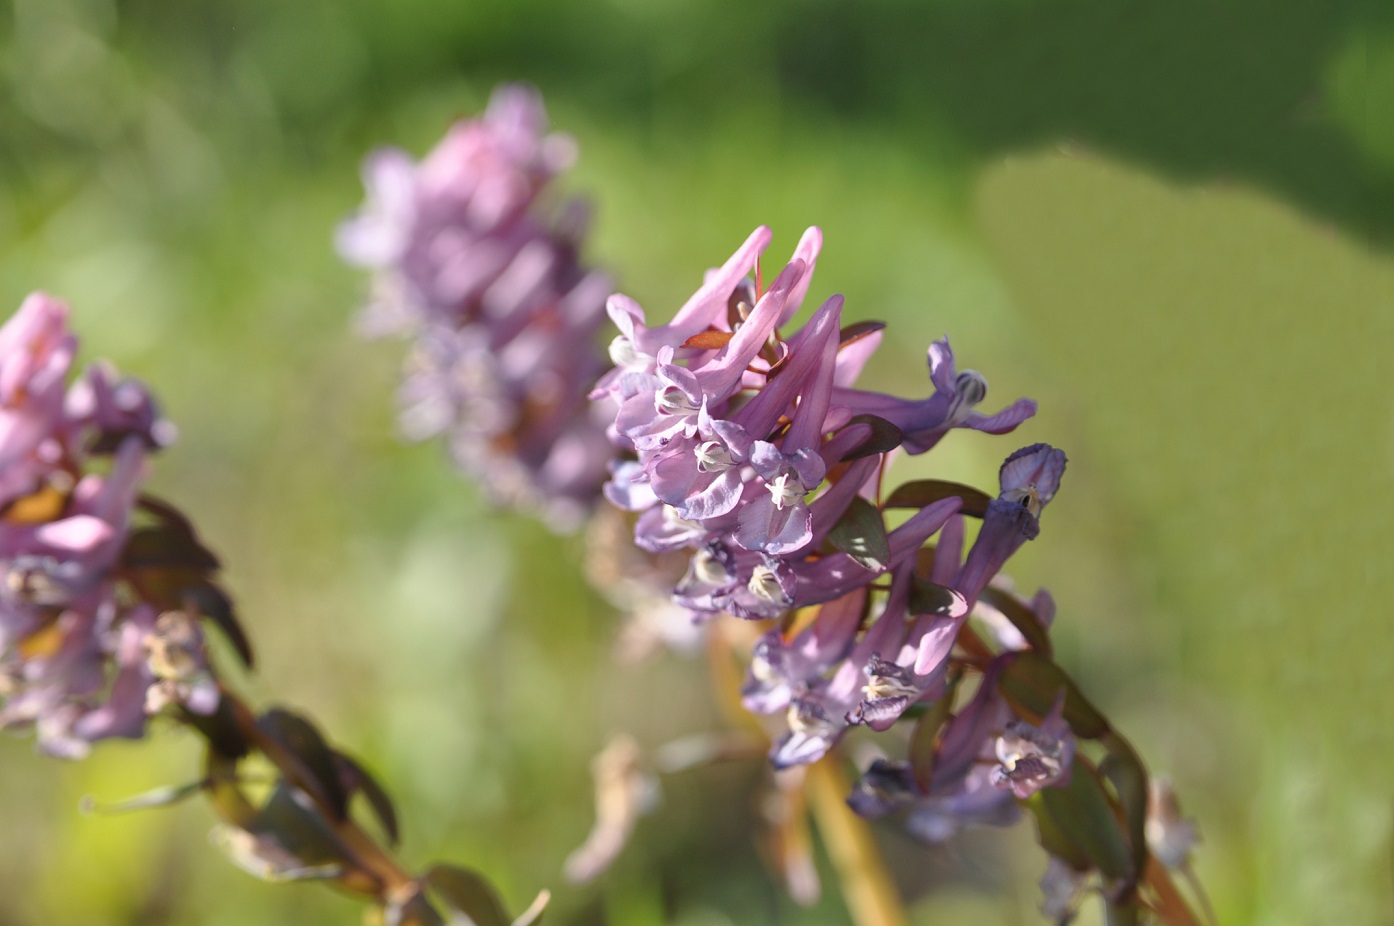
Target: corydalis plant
point(474, 262)
point(103, 602)
point(754, 450)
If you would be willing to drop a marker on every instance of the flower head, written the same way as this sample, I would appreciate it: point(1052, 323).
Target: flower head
point(470, 259)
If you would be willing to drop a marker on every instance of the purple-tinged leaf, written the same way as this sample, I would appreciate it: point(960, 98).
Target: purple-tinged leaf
point(213, 603)
point(861, 534)
point(924, 492)
point(1032, 682)
point(297, 748)
point(414, 910)
point(164, 547)
point(356, 780)
point(854, 332)
point(884, 437)
point(1021, 617)
point(468, 892)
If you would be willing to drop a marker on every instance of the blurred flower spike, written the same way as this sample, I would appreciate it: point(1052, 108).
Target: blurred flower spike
point(75, 644)
point(754, 451)
point(474, 262)
point(104, 596)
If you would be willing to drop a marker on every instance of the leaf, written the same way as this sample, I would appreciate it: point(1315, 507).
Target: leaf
point(884, 437)
point(165, 547)
point(925, 737)
point(357, 780)
point(297, 748)
point(468, 892)
point(414, 910)
point(928, 598)
point(288, 841)
point(1054, 841)
point(856, 331)
point(1084, 816)
point(861, 534)
point(1032, 682)
point(709, 340)
point(1021, 617)
point(1123, 767)
point(213, 603)
point(924, 492)
point(156, 797)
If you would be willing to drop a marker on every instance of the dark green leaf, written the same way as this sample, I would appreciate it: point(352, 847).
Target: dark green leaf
point(924, 492)
point(861, 534)
point(1022, 618)
point(213, 603)
point(928, 598)
point(925, 736)
point(1123, 767)
point(1084, 816)
point(468, 892)
point(1052, 840)
point(884, 437)
point(356, 780)
point(297, 748)
point(1032, 683)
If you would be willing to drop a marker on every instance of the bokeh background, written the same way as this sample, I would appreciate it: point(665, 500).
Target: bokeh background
point(1171, 223)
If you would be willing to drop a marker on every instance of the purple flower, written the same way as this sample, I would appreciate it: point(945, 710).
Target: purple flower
point(470, 260)
point(74, 661)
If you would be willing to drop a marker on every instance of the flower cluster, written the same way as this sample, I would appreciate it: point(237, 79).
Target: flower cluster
point(101, 606)
point(83, 654)
point(471, 260)
point(754, 451)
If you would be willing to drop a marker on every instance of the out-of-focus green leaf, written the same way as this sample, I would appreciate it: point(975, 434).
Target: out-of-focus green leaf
point(1053, 840)
point(356, 780)
point(884, 437)
point(1022, 618)
point(1032, 683)
point(861, 534)
point(1123, 767)
point(1084, 816)
point(922, 492)
point(297, 748)
point(468, 892)
point(156, 797)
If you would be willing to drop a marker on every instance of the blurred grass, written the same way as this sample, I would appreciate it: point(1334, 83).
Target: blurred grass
point(1169, 223)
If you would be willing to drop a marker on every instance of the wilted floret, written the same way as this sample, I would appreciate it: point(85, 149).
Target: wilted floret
point(471, 261)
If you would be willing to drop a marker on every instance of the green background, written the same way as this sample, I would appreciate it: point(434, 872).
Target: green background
point(1171, 223)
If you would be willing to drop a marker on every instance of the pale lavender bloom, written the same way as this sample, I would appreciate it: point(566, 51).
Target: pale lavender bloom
point(1170, 836)
point(471, 260)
